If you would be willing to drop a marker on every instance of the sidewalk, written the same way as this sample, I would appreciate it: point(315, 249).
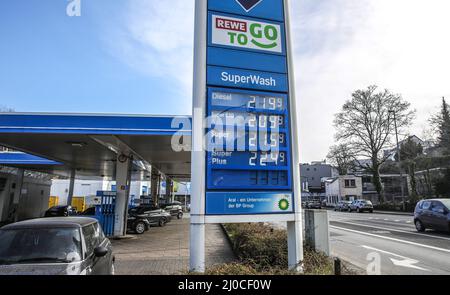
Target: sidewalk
point(165, 250)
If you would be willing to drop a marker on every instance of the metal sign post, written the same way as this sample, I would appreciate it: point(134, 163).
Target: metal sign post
point(245, 163)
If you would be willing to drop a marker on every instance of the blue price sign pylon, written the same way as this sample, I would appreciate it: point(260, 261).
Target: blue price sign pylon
point(248, 170)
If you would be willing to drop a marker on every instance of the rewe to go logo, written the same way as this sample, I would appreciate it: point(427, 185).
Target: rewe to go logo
point(246, 34)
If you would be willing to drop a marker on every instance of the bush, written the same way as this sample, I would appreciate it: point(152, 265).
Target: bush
point(259, 245)
point(263, 250)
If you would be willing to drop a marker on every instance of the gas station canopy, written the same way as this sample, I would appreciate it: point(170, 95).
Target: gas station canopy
point(90, 143)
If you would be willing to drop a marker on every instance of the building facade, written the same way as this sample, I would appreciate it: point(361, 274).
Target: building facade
point(343, 188)
point(26, 201)
point(312, 179)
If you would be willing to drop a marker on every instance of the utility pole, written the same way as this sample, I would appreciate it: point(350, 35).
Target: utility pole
point(399, 161)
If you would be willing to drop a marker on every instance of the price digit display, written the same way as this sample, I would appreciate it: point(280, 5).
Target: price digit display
point(258, 156)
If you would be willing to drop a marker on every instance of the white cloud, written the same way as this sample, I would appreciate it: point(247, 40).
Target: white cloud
point(156, 37)
point(346, 45)
point(341, 46)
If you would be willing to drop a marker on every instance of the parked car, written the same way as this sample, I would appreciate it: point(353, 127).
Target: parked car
point(55, 246)
point(433, 214)
point(361, 206)
point(175, 209)
point(60, 211)
point(138, 223)
point(88, 212)
point(313, 205)
point(155, 216)
point(342, 206)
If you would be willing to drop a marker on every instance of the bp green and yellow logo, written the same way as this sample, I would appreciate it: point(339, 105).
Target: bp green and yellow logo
point(283, 204)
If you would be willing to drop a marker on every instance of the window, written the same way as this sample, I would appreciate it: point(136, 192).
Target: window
point(350, 183)
point(426, 205)
point(99, 233)
point(91, 237)
point(42, 245)
point(446, 203)
point(437, 207)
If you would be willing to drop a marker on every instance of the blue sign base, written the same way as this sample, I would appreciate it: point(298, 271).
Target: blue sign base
point(233, 203)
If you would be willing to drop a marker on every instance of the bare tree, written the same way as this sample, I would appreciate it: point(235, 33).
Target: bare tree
point(341, 157)
point(367, 126)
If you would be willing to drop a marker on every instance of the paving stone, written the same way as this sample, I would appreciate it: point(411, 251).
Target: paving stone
point(165, 250)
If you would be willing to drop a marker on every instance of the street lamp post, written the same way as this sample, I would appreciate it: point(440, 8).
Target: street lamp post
point(399, 161)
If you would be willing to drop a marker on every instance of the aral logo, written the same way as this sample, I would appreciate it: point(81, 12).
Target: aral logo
point(248, 4)
point(245, 33)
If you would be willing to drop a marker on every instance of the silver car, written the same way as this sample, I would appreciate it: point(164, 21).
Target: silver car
point(342, 206)
point(55, 246)
point(361, 206)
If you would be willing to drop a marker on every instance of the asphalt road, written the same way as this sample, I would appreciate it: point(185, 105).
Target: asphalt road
point(365, 239)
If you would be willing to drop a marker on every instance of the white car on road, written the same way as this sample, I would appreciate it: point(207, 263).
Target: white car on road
point(361, 206)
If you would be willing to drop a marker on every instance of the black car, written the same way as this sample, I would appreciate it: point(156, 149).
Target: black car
point(138, 223)
point(55, 246)
point(433, 214)
point(138, 216)
point(89, 212)
point(60, 211)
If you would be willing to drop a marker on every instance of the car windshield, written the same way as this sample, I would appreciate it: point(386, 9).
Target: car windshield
point(42, 245)
point(446, 203)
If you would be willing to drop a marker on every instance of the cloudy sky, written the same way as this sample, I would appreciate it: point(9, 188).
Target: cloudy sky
point(135, 56)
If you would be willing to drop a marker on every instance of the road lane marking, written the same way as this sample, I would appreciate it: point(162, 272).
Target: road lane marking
point(392, 239)
point(403, 262)
point(396, 220)
point(396, 230)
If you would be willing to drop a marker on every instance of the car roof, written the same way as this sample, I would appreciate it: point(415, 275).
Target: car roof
point(431, 200)
point(54, 222)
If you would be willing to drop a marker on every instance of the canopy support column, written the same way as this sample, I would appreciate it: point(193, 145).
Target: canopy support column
point(123, 179)
point(71, 187)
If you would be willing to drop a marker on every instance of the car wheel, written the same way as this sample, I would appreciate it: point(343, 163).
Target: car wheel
point(180, 215)
point(139, 228)
point(371, 211)
point(161, 222)
point(419, 226)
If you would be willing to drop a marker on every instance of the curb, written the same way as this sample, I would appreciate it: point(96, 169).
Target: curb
point(394, 213)
point(225, 231)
